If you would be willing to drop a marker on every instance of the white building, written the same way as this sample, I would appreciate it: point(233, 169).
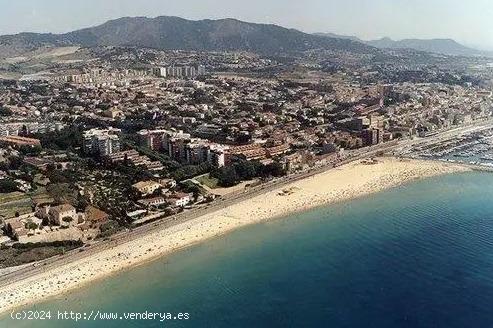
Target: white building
point(102, 142)
point(180, 199)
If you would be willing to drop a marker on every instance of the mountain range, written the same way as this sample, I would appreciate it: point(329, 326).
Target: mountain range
point(443, 46)
point(440, 46)
point(167, 32)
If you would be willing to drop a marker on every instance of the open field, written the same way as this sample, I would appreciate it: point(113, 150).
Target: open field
point(207, 181)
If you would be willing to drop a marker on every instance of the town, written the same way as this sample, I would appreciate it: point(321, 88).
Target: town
point(92, 148)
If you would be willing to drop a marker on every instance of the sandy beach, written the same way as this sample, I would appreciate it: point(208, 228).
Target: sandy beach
point(347, 182)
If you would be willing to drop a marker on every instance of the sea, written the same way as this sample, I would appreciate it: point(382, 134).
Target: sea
point(419, 255)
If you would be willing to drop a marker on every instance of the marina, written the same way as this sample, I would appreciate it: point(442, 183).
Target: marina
point(471, 147)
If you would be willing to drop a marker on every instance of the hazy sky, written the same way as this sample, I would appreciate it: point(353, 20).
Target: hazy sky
point(467, 21)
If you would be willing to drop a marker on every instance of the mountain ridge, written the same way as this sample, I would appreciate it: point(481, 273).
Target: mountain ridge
point(171, 32)
point(445, 46)
point(438, 45)
point(226, 34)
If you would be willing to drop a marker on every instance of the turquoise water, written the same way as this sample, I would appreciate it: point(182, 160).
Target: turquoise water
point(420, 255)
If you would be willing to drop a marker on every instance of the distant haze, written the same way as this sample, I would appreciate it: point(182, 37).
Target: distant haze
point(468, 22)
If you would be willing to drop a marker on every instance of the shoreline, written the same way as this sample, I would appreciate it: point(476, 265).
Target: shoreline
point(344, 183)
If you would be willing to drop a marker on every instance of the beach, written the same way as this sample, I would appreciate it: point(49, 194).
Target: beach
point(344, 183)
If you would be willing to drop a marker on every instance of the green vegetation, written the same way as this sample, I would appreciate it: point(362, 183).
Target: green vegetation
point(68, 138)
point(11, 197)
point(227, 176)
point(109, 228)
point(208, 181)
point(40, 196)
point(61, 243)
point(8, 186)
point(12, 163)
point(30, 150)
point(59, 176)
point(31, 225)
point(20, 254)
point(129, 170)
point(243, 170)
point(190, 187)
point(14, 203)
point(4, 111)
point(190, 171)
point(22, 203)
point(62, 193)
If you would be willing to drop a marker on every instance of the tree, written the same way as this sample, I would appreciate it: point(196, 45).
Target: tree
point(82, 203)
point(62, 193)
point(190, 187)
point(15, 162)
point(66, 139)
point(274, 169)
point(247, 170)
point(227, 176)
point(30, 150)
point(7, 185)
point(31, 225)
point(108, 228)
point(46, 222)
point(4, 111)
